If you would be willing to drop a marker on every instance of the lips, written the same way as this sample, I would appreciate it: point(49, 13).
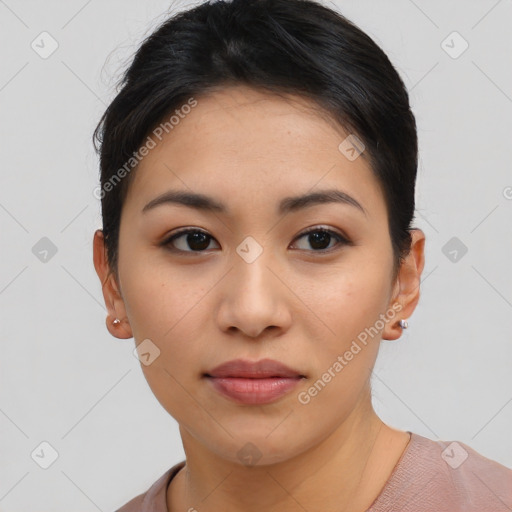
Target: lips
point(253, 382)
point(265, 368)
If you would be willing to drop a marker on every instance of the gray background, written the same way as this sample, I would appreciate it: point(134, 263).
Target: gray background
point(65, 381)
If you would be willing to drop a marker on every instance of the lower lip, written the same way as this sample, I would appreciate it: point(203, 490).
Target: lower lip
point(254, 391)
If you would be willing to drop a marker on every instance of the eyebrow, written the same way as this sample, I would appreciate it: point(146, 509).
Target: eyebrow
point(286, 205)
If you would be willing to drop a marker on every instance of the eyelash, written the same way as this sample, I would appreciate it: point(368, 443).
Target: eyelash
point(339, 238)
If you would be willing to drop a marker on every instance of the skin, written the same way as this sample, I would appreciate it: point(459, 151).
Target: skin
point(250, 149)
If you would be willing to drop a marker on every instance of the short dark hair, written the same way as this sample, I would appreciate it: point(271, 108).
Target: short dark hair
point(295, 47)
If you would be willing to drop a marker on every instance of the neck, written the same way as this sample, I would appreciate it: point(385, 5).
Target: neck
point(345, 471)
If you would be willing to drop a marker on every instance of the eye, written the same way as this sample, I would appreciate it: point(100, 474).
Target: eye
point(195, 239)
point(320, 238)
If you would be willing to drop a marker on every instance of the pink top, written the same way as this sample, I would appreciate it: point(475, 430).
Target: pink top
point(430, 475)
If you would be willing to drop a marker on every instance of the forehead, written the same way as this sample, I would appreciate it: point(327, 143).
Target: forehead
point(241, 140)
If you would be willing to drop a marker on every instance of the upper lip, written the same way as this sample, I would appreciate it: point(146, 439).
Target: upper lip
point(253, 369)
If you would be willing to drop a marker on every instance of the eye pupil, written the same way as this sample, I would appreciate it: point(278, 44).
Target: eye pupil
point(319, 237)
point(198, 241)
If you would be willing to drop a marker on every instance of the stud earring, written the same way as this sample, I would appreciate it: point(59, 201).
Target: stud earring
point(116, 321)
point(403, 324)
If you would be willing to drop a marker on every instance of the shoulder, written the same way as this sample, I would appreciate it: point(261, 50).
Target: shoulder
point(445, 476)
point(154, 499)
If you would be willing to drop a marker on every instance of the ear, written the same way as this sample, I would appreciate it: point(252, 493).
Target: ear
point(110, 288)
point(407, 285)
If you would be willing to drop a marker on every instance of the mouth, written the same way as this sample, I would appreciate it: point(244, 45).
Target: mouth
point(253, 383)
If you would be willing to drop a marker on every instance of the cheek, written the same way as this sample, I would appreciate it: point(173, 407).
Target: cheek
point(346, 347)
point(349, 304)
point(160, 307)
point(167, 306)
point(158, 298)
point(350, 301)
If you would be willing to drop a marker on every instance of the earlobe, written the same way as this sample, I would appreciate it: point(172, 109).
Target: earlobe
point(120, 329)
point(393, 330)
point(111, 295)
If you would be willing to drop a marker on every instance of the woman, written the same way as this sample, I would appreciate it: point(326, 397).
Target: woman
point(258, 174)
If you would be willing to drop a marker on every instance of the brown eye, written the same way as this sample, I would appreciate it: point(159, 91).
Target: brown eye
point(190, 240)
point(319, 239)
point(194, 240)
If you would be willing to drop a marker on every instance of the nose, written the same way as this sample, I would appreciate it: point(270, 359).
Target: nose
point(253, 298)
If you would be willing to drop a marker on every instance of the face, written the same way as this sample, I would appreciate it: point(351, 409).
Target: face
point(249, 282)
